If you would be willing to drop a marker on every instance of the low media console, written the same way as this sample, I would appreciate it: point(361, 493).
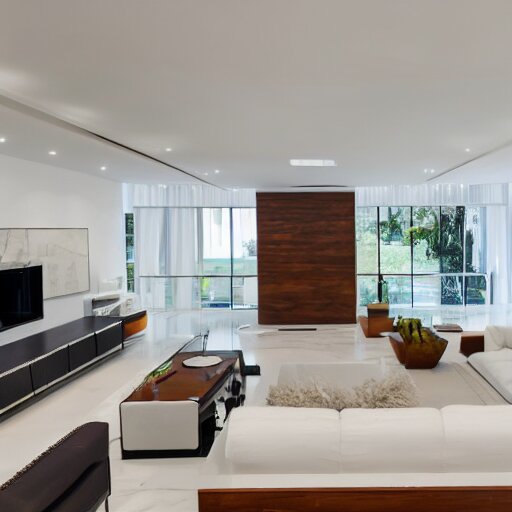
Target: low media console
point(31, 365)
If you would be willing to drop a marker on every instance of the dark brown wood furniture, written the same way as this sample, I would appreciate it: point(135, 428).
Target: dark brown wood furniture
point(417, 356)
point(133, 323)
point(306, 258)
point(448, 328)
point(117, 304)
point(178, 382)
point(360, 499)
point(31, 365)
point(471, 342)
point(172, 381)
point(377, 320)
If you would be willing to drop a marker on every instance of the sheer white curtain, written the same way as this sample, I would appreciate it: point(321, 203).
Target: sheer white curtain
point(439, 194)
point(169, 239)
point(187, 195)
point(498, 239)
point(167, 244)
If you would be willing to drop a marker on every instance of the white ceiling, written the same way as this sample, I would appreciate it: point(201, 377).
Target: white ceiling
point(385, 88)
point(31, 136)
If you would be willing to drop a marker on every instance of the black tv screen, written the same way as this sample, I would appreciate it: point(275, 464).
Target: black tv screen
point(21, 296)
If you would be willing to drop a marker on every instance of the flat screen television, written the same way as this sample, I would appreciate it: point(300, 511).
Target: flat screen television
point(21, 296)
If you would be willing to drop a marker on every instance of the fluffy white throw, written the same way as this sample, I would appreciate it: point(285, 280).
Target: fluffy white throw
point(395, 390)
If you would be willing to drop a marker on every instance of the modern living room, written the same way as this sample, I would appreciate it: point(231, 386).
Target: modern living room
point(255, 256)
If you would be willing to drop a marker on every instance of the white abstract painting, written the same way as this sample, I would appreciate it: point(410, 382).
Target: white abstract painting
point(63, 253)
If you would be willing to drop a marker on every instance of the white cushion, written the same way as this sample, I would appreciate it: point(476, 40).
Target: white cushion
point(478, 438)
point(160, 425)
point(497, 337)
point(391, 440)
point(496, 368)
point(283, 440)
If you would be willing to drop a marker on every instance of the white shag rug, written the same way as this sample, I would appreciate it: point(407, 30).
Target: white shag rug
point(395, 390)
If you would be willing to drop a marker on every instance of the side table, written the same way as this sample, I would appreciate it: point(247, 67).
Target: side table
point(377, 320)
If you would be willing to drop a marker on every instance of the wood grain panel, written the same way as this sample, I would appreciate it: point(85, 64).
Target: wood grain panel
point(368, 499)
point(306, 258)
point(135, 325)
point(180, 382)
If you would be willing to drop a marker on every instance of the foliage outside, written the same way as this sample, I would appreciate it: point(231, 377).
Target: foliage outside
point(438, 246)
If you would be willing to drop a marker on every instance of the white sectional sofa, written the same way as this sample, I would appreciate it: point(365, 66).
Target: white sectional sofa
point(495, 363)
point(281, 440)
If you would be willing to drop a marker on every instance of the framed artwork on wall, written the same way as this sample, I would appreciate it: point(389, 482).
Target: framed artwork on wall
point(63, 253)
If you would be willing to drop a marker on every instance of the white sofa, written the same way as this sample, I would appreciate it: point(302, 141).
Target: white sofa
point(279, 440)
point(495, 363)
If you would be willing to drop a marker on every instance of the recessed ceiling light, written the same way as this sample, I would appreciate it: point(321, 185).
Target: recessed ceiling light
point(432, 171)
point(2, 139)
point(217, 171)
point(425, 171)
point(52, 153)
point(468, 150)
point(103, 168)
point(205, 173)
point(312, 163)
point(235, 190)
point(168, 150)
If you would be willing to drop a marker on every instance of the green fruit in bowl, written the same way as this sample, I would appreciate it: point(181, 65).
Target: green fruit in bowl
point(410, 329)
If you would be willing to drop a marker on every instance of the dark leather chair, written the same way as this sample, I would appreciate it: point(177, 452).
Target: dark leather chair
point(73, 475)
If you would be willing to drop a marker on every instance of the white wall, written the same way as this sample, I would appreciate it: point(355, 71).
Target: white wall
point(509, 241)
point(34, 195)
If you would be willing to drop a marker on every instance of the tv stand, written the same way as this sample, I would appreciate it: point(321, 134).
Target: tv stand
point(31, 365)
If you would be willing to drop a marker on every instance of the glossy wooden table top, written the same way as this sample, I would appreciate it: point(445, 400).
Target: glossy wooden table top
point(172, 381)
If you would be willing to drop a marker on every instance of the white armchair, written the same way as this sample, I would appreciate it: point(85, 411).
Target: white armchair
point(495, 363)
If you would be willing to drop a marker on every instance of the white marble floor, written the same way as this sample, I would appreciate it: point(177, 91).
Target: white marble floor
point(171, 484)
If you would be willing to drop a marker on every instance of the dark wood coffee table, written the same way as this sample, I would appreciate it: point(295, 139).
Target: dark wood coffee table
point(150, 422)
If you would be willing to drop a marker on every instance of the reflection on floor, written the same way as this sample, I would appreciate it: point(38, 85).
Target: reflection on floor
point(170, 484)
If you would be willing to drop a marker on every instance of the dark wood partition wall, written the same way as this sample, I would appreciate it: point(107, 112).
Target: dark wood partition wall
point(306, 258)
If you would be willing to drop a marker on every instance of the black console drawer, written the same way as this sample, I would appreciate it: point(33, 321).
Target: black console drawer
point(31, 365)
point(109, 338)
point(15, 386)
point(82, 352)
point(50, 368)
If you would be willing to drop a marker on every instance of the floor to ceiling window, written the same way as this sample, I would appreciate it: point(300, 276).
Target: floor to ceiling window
point(427, 256)
point(191, 258)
